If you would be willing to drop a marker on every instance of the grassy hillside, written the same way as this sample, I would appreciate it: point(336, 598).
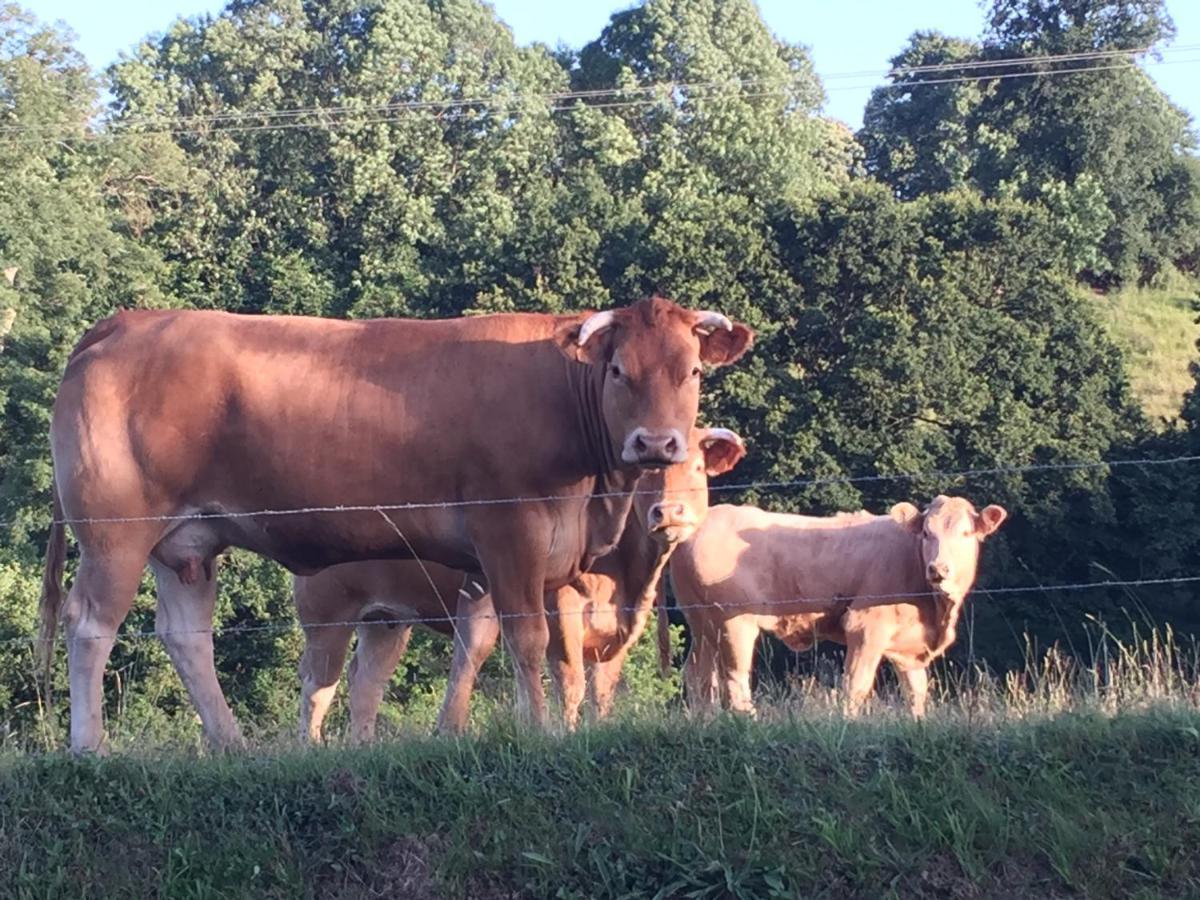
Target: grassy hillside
point(1157, 330)
point(968, 804)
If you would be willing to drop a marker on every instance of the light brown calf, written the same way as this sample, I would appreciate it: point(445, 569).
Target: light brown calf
point(888, 586)
point(593, 620)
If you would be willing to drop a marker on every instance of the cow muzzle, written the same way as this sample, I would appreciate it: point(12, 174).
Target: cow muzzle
point(670, 522)
point(654, 449)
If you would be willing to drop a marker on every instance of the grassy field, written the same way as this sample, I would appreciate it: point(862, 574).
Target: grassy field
point(1064, 780)
point(1157, 330)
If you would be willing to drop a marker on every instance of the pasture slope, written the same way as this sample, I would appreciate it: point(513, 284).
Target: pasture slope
point(1083, 804)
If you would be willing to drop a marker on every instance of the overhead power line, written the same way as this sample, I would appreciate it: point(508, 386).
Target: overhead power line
point(631, 96)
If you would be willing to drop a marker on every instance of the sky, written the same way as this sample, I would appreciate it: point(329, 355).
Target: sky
point(849, 36)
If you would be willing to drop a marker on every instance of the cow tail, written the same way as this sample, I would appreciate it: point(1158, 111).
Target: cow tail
point(52, 596)
point(664, 634)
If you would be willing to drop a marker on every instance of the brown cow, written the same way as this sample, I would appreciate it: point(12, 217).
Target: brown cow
point(595, 619)
point(887, 586)
point(177, 434)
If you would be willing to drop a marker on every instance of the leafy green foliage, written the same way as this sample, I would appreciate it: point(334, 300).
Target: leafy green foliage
point(1106, 151)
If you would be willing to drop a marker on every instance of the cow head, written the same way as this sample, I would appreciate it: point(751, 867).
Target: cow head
point(951, 533)
point(673, 502)
point(652, 354)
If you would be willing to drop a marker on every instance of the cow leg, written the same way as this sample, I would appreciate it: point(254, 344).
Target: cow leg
point(737, 659)
point(565, 650)
point(371, 668)
point(864, 652)
point(914, 681)
point(700, 673)
point(100, 598)
point(325, 647)
point(476, 630)
point(605, 678)
point(184, 623)
point(517, 580)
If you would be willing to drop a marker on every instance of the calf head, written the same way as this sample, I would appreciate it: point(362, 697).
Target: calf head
point(652, 354)
point(673, 502)
point(951, 533)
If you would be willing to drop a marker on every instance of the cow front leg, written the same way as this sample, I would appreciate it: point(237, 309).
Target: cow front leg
point(700, 669)
point(184, 622)
point(564, 611)
point(914, 681)
point(476, 630)
point(605, 678)
point(738, 638)
point(375, 659)
point(864, 652)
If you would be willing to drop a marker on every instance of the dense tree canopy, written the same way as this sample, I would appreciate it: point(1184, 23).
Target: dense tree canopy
point(407, 157)
point(1105, 150)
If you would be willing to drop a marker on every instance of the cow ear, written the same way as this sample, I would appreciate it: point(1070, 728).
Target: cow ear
point(904, 513)
point(723, 449)
point(586, 339)
point(720, 347)
point(990, 518)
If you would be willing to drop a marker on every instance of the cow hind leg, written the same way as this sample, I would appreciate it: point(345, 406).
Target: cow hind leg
point(98, 602)
point(375, 659)
point(325, 647)
point(184, 623)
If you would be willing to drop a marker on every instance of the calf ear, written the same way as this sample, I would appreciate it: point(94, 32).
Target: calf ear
point(990, 518)
point(720, 347)
point(723, 449)
point(597, 338)
point(904, 513)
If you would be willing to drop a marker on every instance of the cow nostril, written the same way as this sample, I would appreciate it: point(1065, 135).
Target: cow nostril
point(656, 514)
point(639, 444)
point(671, 446)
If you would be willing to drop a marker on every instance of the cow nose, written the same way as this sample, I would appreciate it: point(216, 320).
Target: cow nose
point(654, 448)
point(667, 512)
point(938, 571)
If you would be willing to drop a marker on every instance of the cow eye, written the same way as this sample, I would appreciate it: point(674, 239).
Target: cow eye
point(615, 371)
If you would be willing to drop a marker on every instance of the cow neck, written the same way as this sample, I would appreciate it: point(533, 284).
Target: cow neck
point(587, 384)
point(643, 560)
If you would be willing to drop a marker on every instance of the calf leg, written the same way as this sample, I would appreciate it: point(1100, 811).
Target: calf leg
point(476, 630)
point(184, 623)
point(605, 678)
point(700, 670)
point(737, 659)
point(864, 651)
point(371, 668)
point(321, 665)
point(99, 599)
point(565, 650)
point(914, 681)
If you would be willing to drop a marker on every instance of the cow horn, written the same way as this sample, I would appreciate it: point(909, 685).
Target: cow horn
point(724, 434)
point(708, 320)
point(595, 322)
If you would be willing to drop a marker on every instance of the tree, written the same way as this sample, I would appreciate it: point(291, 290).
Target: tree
point(1105, 150)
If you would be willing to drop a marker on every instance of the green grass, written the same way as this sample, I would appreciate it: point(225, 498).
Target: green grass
point(1082, 804)
point(1067, 779)
point(1157, 331)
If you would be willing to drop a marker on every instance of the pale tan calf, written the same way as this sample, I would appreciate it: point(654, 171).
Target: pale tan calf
point(593, 621)
point(889, 586)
